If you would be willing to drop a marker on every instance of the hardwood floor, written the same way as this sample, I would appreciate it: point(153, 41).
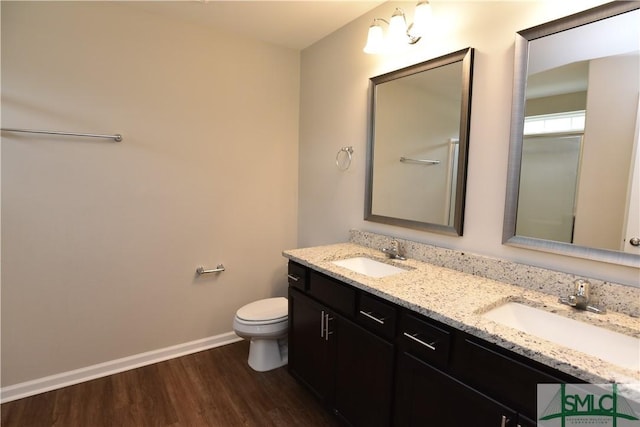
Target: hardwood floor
point(211, 388)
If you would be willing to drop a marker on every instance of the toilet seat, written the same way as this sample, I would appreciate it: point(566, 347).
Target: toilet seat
point(264, 311)
point(261, 322)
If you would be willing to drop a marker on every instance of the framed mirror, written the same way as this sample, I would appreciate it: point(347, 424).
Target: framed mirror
point(418, 143)
point(572, 185)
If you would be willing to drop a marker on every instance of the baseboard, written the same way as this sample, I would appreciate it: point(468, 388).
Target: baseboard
point(64, 379)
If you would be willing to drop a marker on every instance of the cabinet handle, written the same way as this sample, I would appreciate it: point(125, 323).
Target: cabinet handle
point(375, 319)
point(413, 337)
point(504, 422)
point(322, 324)
point(292, 277)
point(326, 327)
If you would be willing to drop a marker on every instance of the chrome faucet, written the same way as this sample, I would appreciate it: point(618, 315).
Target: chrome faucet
point(394, 251)
point(581, 299)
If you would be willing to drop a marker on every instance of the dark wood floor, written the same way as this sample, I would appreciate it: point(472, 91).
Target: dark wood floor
point(210, 388)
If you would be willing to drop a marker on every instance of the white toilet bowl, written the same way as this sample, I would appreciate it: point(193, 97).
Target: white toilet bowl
point(264, 323)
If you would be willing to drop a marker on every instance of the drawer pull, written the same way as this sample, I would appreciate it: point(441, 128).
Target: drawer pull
point(504, 422)
point(374, 318)
point(326, 327)
point(413, 337)
point(292, 277)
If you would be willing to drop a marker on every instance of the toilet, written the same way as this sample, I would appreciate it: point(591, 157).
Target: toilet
point(264, 323)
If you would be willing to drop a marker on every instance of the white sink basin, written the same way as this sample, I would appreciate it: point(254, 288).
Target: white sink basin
point(613, 347)
point(369, 267)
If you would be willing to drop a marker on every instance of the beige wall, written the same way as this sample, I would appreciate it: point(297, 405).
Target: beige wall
point(100, 240)
point(612, 102)
point(556, 104)
point(334, 79)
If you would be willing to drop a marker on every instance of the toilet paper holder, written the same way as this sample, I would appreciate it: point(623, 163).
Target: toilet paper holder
point(219, 268)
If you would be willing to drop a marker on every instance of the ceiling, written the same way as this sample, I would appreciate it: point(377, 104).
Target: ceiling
point(570, 78)
point(293, 24)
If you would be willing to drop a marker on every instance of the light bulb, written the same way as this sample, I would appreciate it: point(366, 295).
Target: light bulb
point(375, 39)
point(397, 29)
point(421, 19)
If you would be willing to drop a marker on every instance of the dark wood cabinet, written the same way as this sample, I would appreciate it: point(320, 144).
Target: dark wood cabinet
point(426, 340)
point(311, 355)
point(346, 366)
point(514, 381)
point(297, 276)
point(364, 376)
point(429, 397)
point(445, 376)
point(374, 363)
point(525, 422)
point(377, 316)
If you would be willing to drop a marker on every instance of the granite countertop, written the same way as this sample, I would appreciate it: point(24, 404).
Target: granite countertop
point(459, 300)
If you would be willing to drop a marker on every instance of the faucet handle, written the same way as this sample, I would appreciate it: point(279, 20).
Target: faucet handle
point(394, 251)
point(581, 287)
point(596, 309)
point(570, 300)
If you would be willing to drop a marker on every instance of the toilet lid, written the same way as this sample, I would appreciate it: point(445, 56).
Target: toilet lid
point(264, 309)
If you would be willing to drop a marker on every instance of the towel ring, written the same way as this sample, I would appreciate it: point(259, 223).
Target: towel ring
point(344, 165)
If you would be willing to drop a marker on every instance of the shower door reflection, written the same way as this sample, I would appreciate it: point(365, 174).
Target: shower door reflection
point(548, 186)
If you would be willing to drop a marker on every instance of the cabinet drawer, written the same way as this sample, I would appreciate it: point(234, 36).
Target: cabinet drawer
point(376, 315)
point(502, 377)
point(425, 340)
point(334, 294)
point(297, 276)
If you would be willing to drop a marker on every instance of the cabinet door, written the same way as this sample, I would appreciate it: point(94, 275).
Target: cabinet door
point(310, 353)
point(427, 396)
point(364, 375)
point(525, 422)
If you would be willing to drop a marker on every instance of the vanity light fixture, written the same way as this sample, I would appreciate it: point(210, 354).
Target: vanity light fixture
point(399, 33)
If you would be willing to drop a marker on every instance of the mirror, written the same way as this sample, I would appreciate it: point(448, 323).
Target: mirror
point(418, 142)
point(572, 184)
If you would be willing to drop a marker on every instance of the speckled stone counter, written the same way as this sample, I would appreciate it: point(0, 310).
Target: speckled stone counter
point(616, 297)
point(459, 299)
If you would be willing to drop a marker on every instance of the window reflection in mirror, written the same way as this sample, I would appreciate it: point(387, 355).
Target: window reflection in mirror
point(418, 143)
point(549, 171)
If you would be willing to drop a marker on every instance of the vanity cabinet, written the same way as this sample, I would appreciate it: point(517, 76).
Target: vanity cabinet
point(446, 377)
point(311, 354)
point(428, 396)
point(510, 378)
point(374, 363)
point(363, 377)
point(348, 367)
